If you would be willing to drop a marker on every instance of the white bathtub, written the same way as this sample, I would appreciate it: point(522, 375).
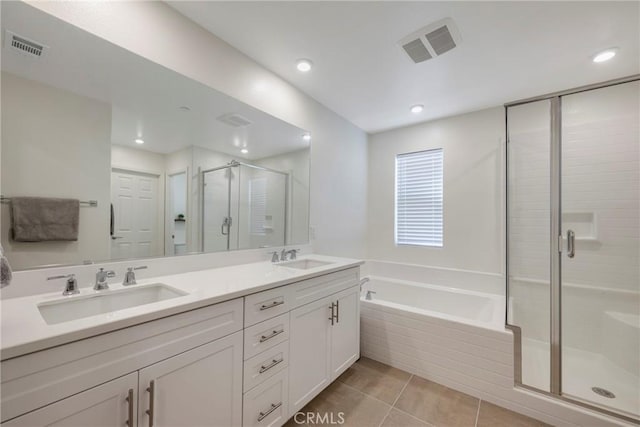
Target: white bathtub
point(457, 305)
point(451, 336)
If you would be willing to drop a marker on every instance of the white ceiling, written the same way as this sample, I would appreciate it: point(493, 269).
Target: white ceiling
point(145, 97)
point(509, 51)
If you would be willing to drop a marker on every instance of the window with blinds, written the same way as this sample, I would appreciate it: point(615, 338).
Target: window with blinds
point(419, 179)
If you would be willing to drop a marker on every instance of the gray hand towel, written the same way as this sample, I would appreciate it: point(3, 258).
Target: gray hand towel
point(5, 270)
point(39, 219)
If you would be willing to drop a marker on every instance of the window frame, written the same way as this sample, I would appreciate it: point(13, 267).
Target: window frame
point(430, 244)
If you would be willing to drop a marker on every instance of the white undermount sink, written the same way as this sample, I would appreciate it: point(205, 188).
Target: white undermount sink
point(305, 264)
point(78, 307)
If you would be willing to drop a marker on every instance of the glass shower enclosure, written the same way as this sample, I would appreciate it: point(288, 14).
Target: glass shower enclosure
point(244, 206)
point(573, 266)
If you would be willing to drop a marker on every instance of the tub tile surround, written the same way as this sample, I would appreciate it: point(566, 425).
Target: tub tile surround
point(373, 394)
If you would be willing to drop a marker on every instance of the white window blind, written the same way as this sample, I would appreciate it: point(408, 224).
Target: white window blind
point(419, 179)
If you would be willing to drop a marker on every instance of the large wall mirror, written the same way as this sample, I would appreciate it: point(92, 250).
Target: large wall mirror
point(162, 165)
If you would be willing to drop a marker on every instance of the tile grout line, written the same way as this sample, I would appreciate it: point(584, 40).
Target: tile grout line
point(478, 412)
point(363, 393)
point(402, 391)
point(395, 400)
point(369, 396)
point(414, 417)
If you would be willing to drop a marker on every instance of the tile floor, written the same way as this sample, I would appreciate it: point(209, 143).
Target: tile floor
point(372, 394)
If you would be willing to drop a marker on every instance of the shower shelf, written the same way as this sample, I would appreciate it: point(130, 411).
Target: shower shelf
point(582, 223)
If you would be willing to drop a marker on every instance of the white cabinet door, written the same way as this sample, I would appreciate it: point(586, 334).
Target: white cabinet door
point(345, 332)
point(309, 348)
point(200, 387)
point(105, 405)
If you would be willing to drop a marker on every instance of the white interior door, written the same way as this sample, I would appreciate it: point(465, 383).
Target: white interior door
point(135, 233)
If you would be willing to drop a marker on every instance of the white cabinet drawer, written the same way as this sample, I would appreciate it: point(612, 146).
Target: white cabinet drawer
point(319, 287)
point(267, 304)
point(265, 365)
point(266, 405)
point(265, 335)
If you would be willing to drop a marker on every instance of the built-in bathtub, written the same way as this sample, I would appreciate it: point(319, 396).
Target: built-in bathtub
point(450, 335)
point(454, 335)
point(446, 303)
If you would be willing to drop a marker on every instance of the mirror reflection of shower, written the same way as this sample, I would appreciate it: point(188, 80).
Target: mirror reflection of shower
point(243, 206)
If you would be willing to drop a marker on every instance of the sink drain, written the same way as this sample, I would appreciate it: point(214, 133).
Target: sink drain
point(603, 392)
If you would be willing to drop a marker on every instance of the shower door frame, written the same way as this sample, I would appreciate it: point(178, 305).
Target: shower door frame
point(233, 164)
point(556, 252)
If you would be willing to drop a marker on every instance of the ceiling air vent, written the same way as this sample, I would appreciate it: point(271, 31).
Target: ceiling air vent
point(235, 120)
point(431, 41)
point(416, 50)
point(24, 45)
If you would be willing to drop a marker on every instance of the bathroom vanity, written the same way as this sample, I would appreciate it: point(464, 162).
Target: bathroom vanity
point(246, 345)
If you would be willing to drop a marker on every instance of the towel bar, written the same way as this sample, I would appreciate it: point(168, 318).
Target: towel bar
point(91, 203)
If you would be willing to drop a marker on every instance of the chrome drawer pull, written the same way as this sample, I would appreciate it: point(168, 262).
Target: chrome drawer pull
point(333, 316)
point(275, 362)
point(264, 415)
point(129, 400)
point(152, 394)
point(273, 304)
point(273, 334)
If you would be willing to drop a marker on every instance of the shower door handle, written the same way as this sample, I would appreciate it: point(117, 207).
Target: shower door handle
point(571, 243)
point(226, 222)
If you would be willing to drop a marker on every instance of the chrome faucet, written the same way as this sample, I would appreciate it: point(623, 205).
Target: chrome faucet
point(130, 275)
point(368, 296)
point(71, 287)
point(101, 279)
point(290, 254)
point(274, 257)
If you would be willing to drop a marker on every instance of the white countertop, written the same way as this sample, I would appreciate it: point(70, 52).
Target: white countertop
point(25, 331)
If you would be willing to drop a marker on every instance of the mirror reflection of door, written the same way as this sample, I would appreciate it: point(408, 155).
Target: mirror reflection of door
point(263, 202)
point(217, 222)
point(134, 197)
point(176, 235)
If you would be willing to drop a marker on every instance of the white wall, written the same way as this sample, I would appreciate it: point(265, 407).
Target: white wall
point(473, 182)
point(135, 160)
point(66, 153)
point(338, 160)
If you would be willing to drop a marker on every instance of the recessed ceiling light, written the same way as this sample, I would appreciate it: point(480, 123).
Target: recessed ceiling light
point(304, 65)
point(605, 55)
point(306, 137)
point(139, 141)
point(244, 151)
point(417, 108)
